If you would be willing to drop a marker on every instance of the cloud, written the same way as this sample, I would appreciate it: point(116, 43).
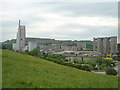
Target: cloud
point(59, 20)
point(74, 9)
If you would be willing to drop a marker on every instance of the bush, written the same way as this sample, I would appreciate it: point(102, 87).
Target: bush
point(68, 63)
point(78, 66)
point(27, 52)
point(40, 56)
point(108, 61)
point(115, 58)
point(81, 62)
point(87, 68)
point(95, 68)
point(102, 67)
point(45, 56)
point(93, 65)
point(61, 62)
point(111, 71)
point(84, 67)
point(75, 61)
point(114, 64)
point(99, 59)
point(35, 52)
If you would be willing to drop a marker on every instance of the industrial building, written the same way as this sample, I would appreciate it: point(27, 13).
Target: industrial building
point(20, 41)
point(105, 45)
point(23, 43)
point(101, 45)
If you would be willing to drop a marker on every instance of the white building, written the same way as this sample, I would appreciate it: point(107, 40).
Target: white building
point(20, 41)
point(32, 46)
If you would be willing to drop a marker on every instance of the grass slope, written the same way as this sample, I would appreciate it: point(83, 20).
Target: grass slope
point(23, 71)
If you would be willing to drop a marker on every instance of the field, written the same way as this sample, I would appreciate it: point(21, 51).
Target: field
point(24, 71)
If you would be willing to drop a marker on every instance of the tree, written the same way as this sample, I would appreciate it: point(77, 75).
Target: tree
point(35, 52)
point(27, 52)
point(7, 46)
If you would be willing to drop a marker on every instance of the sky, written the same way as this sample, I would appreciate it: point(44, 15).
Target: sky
point(59, 20)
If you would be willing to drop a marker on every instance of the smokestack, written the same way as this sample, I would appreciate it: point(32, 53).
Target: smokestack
point(19, 23)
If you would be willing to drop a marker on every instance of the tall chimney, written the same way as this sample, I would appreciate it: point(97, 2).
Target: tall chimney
point(19, 23)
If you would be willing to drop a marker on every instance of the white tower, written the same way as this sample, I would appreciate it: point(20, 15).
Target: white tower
point(20, 42)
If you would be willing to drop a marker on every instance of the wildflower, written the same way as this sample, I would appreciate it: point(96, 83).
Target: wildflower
point(108, 59)
point(108, 55)
point(85, 54)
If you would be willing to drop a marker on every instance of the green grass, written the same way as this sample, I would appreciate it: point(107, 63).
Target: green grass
point(24, 71)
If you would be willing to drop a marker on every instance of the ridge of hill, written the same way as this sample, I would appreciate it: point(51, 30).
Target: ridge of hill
point(8, 43)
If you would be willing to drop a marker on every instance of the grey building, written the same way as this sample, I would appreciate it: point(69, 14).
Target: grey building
point(105, 45)
point(20, 41)
point(113, 45)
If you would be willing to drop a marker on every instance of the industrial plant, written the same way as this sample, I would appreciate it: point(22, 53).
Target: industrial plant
point(101, 45)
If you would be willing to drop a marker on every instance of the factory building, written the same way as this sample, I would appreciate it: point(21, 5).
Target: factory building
point(105, 45)
point(20, 41)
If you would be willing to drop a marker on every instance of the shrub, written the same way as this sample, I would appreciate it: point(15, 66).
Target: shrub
point(111, 71)
point(40, 56)
point(95, 68)
point(102, 67)
point(75, 61)
point(114, 64)
point(27, 52)
point(78, 66)
point(93, 65)
point(108, 61)
point(68, 63)
point(99, 59)
point(87, 68)
point(115, 58)
point(35, 52)
point(81, 62)
point(60, 62)
point(45, 56)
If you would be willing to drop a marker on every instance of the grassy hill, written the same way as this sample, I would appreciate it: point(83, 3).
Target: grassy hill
point(23, 71)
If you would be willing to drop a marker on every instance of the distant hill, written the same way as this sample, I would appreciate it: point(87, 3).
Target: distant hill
point(8, 43)
point(46, 41)
point(24, 71)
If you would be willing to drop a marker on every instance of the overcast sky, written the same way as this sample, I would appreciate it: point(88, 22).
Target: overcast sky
point(62, 21)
